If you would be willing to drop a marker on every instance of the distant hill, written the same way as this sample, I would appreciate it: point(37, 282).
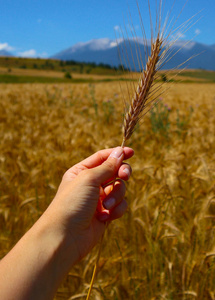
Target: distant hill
point(33, 70)
point(106, 51)
point(5, 53)
point(213, 46)
point(71, 66)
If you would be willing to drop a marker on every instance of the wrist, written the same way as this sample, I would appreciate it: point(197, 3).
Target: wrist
point(55, 244)
point(38, 262)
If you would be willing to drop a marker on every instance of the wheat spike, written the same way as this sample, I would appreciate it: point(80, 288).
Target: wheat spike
point(142, 93)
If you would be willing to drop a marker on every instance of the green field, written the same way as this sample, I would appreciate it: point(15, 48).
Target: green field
point(32, 70)
point(6, 78)
point(200, 74)
point(57, 65)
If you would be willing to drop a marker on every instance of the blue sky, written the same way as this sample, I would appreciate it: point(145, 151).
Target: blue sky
point(45, 27)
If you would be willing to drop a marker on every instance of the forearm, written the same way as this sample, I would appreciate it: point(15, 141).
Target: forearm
point(34, 268)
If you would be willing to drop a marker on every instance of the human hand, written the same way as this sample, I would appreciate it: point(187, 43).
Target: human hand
point(86, 199)
point(69, 228)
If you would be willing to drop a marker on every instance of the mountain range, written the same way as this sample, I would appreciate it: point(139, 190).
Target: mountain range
point(5, 53)
point(191, 54)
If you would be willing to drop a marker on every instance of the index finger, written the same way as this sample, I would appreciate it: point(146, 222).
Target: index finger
point(99, 157)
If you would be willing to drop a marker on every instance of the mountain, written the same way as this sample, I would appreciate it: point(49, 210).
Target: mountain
point(213, 46)
point(5, 53)
point(107, 51)
point(97, 51)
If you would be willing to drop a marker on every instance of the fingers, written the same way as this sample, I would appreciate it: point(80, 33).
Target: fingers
point(124, 172)
point(114, 204)
point(108, 168)
point(101, 156)
point(115, 196)
point(96, 160)
point(113, 166)
point(116, 213)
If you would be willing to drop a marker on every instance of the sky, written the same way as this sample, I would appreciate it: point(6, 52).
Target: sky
point(42, 28)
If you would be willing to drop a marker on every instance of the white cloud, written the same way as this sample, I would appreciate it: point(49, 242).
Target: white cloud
point(5, 46)
point(130, 28)
point(28, 53)
point(117, 28)
point(178, 35)
point(197, 31)
point(113, 44)
point(96, 44)
point(43, 54)
point(32, 53)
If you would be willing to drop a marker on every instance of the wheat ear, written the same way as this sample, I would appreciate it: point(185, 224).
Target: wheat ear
point(142, 94)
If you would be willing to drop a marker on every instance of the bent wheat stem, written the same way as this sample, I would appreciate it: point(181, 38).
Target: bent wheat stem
point(96, 265)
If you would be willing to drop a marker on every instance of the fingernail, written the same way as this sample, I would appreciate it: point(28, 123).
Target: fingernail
point(103, 217)
point(109, 203)
point(117, 152)
point(126, 171)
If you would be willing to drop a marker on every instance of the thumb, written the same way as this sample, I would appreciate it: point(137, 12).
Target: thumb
point(109, 168)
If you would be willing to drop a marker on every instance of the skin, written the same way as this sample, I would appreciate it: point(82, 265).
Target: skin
point(69, 228)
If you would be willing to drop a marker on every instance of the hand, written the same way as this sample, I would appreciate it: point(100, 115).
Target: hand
point(69, 228)
point(86, 200)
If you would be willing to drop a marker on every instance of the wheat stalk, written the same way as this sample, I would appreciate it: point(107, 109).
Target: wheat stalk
point(135, 112)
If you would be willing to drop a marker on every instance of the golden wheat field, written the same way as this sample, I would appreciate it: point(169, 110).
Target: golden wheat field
point(164, 246)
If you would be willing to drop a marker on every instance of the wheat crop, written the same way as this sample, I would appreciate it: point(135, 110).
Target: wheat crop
point(163, 247)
